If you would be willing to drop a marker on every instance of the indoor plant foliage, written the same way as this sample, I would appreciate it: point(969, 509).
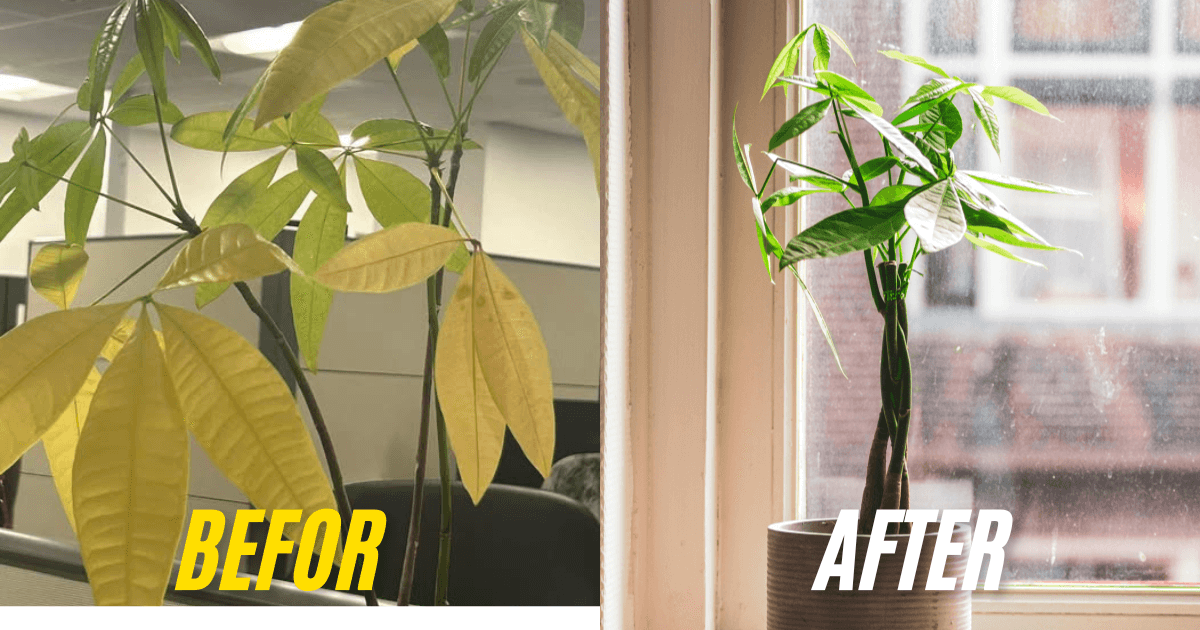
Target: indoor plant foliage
point(907, 201)
point(116, 436)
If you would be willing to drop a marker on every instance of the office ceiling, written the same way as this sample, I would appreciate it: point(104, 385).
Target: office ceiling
point(50, 40)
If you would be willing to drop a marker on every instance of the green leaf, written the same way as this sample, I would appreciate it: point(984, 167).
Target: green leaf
point(784, 61)
point(821, 50)
point(321, 234)
point(996, 249)
point(139, 110)
point(271, 211)
point(81, 202)
point(235, 201)
point(338, 42)
point(104, 53)
point(308, 126)
point(800, 172)
point(936, 215)
point(787, 196)
point(935, 89)
point(133, 71)
point(435, 44)
point(171, 35)
point(538, 17)
point(873, 168)
point(916, 61)
point(206, 132)
point(767, 243)
point(987, 118)
point(812, 302)
point(1017, 96)
point(393, 195)
point(569, 20)
point(801, 122)
point(1003, 235)
point(494, 39)
point(322, 176)
point(54, 151)
point(176, 13)
point(26, 184)
point(743, 165)
point(847, 231)
point(892, 194)
point(895, 137)
point(147, 26)
point(980, 197)
point(837, 39)
point(237, 119)
point(1016, 183)
point(844, 86)
point(948, 126)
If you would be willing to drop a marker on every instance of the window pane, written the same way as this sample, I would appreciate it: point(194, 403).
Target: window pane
point(1069, 395)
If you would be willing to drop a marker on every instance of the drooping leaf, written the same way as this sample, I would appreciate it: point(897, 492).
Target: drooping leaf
point(494, 39)
point(768, 245)
point(564, 54)
point(186, 24)
point(987, 118)
point(147, 27)
point(171, 35)
point(739, 158)
point(322, 176)
point(244, 416)
point(46, 361)
point(82, 195)
point(56, 272)
point(338, 42)
point(235, 201)
point(1006, 237)
point(206, 132)
point(996, 249)
point(236, 122)
point(321, 234)
point(569, 20)
point(936, 216)
point(837, 39)
point(801, 122)
point(389, 260)
point(578, 103)
point(1016, 183)
point(786, 197)
point(981, 197)
point(139, 110)
point(130, 481)
point(847, 231)
point(825, 332)
point(916, 61)
point(393, 195)
point(895, 137)
point(435, 44)
point(104, 52)
point(62, 439)
point(227, 253)
point(1016, 96)
point(473, 421)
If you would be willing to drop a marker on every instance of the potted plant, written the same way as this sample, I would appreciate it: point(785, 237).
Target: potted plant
point(908, 201)
point(116, 431)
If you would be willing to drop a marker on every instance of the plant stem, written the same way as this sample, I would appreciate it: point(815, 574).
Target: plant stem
point(162, 135)
point(143, 266)
point(335, 470)
point(408, 568)
point(135, 159)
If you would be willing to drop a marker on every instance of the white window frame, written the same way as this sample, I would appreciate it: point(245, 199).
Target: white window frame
point(701, 387)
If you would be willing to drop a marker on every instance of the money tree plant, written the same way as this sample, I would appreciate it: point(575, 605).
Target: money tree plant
point(908, 201)
point(113, 389)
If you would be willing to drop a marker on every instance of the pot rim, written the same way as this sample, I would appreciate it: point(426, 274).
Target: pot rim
point(786, 528)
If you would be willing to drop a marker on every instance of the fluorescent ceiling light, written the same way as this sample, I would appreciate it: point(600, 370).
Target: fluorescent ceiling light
point(262, 43)
point(20, 89)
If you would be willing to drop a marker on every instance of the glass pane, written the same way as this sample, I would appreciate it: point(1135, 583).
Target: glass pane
point(1066, 395)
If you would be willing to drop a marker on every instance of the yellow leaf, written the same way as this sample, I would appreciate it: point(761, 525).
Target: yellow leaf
point(56, 272)
point(322, 233)
point(244, 416)
point(226, 253)
point(131, 477)
point(45, 363)
point(61, 439)
point(391, 259)
point(396, 55)
point(563, 53)
point(580, 105)
point(514, 360)
point(473, 421)
point(338, 42)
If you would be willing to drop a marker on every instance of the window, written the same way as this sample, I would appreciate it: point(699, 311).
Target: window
point(1068, 395)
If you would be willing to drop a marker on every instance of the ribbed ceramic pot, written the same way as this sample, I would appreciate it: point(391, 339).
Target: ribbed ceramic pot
point(794, 553)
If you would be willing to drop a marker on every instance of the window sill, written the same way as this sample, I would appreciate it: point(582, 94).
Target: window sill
point(1063, 606)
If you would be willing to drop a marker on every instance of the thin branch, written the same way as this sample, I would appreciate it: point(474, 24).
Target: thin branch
point(135, 272)
point(135, 159)
point(162, 134)
point(109, 197)
point(450, 201)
